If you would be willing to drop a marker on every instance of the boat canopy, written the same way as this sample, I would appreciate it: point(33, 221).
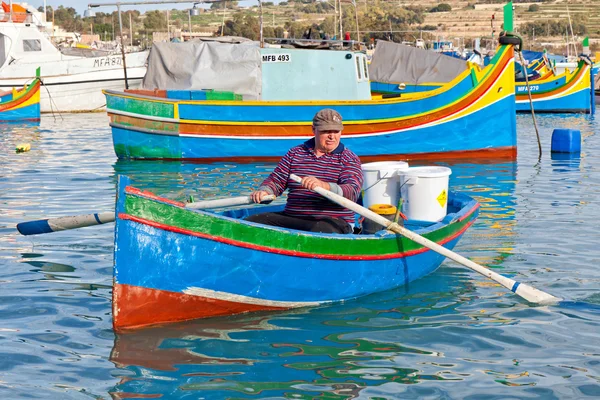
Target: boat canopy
point(395, 63)
point(199, 65)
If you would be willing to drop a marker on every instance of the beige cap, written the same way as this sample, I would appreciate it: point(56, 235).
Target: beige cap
point(328, 120)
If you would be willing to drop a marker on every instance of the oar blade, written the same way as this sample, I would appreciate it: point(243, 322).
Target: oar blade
point(534, 295)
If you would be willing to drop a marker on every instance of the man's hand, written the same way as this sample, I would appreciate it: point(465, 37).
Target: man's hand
point(310, 182)
point(258, 195)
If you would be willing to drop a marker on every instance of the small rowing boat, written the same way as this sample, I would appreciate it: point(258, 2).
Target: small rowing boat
point(173, 263)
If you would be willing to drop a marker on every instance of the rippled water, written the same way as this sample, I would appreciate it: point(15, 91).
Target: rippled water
point(452, 334)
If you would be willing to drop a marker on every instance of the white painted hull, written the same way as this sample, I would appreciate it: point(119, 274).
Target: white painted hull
point(84, 95)
point(80, 90)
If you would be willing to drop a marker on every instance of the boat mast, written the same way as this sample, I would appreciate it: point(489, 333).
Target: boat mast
point(356, 15)
point(122, 46)
point(341, 17)
point(262, 43)
point(572, 35)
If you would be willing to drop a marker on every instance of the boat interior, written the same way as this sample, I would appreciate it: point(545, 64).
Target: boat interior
point(455, 210)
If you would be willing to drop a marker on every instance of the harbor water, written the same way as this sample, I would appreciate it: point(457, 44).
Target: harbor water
point(453, 334)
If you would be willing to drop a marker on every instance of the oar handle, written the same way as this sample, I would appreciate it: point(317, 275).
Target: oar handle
point(81, 221)
point(527, 292)
point(229, 202)
point(64, 223)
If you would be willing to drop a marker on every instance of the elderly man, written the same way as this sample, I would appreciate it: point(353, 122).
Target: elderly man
point(321, 161)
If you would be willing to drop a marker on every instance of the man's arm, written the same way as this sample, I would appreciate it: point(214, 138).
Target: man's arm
point(351, 179)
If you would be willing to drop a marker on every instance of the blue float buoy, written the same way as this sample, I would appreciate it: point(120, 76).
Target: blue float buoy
point(566, 141)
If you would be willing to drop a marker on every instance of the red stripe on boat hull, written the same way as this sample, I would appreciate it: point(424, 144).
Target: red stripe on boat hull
point(146, 307)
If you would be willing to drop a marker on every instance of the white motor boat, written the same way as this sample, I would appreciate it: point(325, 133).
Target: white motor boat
point(72, 78)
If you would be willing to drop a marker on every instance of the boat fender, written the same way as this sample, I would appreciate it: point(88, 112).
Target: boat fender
point(512, 39)
point(390, 95)
point(586, 59)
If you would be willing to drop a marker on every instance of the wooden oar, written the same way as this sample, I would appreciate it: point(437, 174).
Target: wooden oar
point(81, 221)
point(527, 292)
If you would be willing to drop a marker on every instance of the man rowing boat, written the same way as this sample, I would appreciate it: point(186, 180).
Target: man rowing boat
point(322, 161)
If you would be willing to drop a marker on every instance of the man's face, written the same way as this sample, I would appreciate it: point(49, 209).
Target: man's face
point(328, 140)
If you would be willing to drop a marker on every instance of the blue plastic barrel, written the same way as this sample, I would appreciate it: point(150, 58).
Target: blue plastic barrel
point(566, 141)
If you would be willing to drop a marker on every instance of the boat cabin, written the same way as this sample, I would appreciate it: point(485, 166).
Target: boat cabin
point(208, 70)
point(299, 74)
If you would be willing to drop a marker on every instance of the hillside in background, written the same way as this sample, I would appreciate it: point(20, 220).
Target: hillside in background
point(542, 24)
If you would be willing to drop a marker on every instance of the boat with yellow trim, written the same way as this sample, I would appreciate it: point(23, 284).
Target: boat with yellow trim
point(279, 90)
point(569, 92)
point(21, 104)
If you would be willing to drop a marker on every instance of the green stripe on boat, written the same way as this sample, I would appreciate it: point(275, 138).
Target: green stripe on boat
point(276, 239)
point(143, 107)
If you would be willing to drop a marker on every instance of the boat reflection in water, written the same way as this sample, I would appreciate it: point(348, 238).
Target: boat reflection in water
point(339, 349)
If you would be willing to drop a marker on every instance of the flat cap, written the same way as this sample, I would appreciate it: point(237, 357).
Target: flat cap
point(328, 120)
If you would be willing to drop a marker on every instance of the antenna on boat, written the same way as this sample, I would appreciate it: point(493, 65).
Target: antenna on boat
point(341, 18)
point(262, 42)
point(572, 34)
point(357, 28)
point(122, 46)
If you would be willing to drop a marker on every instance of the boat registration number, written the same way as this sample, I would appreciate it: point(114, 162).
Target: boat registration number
point(107, 61)
point(270, 58)
point(534, 88)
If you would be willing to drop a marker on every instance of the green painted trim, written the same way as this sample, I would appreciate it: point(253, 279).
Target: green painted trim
point(508, 17)
point(499, 54)
point(128, 151)
point(473, 77)
point(260, 236)
point(140, 106)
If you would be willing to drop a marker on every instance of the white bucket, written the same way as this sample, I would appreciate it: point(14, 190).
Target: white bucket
point(424, 192)
point(382, 182)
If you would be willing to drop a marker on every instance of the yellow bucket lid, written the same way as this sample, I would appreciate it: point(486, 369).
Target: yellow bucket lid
point(383, 209)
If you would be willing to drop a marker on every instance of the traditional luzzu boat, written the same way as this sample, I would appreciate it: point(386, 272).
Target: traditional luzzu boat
point(21, 104)
point(569, 92)
point(265, 99)
point(173, 263)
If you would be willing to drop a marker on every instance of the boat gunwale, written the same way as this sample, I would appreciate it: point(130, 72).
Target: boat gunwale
point(457, 223)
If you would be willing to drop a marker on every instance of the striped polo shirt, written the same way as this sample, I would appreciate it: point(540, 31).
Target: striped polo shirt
point(340, 167)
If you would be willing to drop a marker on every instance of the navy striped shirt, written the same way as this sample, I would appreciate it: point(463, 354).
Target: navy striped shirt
point(340, 167)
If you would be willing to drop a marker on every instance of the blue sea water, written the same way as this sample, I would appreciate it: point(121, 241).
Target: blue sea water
point(452, 334)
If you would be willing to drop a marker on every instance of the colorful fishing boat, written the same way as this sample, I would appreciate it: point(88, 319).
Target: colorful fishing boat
point(173, 263)
point(569, 92)
point(21, 104)
point(172, 117)
point(471, 116)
